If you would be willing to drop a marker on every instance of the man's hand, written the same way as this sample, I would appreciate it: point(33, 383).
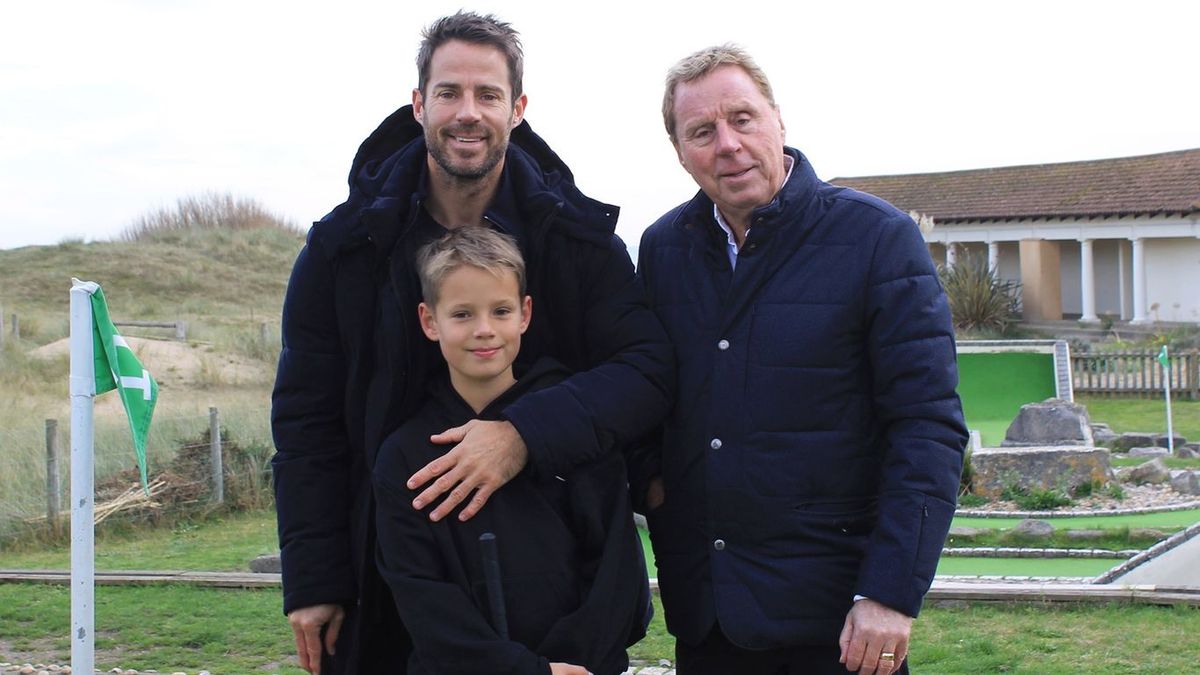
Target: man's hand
point(655, 495)
point(488, 455)
point(873, 629)
point(568, 669)
point(306, 628)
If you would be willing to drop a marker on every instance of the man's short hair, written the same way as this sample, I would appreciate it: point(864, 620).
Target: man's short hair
point(472, 245)
point(474, 29)
point(703, 62)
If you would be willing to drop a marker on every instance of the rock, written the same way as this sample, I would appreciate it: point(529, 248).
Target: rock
point(1163, 441)
point(1037, 468)
point(1185, 482)
point(1051, 422)
point(266, 564)
point(1154, 471)
point(966, 532)
point(1146, 533)
point(1149, 452)
point(1133, 439)
point(1085, 535)
point(1103, 435)
point(1031, 527)
point(1184, 452)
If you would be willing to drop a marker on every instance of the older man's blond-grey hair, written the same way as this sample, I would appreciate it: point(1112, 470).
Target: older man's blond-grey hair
point(703, 62)
point(472, 245)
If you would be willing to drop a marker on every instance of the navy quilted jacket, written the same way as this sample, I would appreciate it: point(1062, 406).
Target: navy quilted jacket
point(355, 364)
point(815, 447)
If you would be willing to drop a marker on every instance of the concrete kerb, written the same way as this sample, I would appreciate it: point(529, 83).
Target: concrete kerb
point(1149, 554)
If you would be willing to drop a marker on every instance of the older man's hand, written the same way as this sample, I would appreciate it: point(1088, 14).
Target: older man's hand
point(488, 455)
point(307, 623)
point(872, 630)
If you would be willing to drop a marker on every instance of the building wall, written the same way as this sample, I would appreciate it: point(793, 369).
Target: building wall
point(1107, 275)
point(1173, 279)
point(1069, 266)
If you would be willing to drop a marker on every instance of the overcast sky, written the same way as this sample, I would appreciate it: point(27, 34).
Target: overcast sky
point(111, 109)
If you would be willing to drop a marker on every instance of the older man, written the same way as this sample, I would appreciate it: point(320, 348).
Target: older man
point(810, 464)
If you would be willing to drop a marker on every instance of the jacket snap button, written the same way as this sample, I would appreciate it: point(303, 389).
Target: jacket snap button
point(715, 444)
point(719, 544)
point(723, 345)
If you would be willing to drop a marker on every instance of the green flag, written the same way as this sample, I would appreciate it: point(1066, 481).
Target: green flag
point(118, 368)
point(1162, 357)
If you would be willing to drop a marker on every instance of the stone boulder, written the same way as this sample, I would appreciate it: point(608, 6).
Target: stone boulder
point(1185, 482)
point(1033, 528)
point(962, 532)
point(1102, 434)
point(1186, 452)
point(1037, 468)
point(266, 564)
point(1164, 441)
point(1154, 471)
point(1133, 439)
point(1149, 452)
point(1051, 422)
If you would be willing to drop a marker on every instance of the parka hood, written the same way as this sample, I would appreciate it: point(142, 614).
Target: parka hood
point(385, 178)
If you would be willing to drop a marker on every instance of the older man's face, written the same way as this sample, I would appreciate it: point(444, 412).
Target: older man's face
point(730, 139)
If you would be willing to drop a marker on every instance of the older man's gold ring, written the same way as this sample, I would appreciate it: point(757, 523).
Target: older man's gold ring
point(887, 656)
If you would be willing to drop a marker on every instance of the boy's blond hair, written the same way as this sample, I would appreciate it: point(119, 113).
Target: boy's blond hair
point(472, 245)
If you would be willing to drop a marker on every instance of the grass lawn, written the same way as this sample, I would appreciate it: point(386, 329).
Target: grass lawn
point(225, 631)
point(222, 544)
point(1145, 414)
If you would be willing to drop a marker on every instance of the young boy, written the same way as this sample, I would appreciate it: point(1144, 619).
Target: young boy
point(573, 578)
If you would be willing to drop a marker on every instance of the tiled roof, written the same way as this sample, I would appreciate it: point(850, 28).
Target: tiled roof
point(1167, 183)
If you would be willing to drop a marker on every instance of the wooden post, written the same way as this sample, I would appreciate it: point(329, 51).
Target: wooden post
point(16, 327)
point(53, 497)
point(1, 326)
point(181, 331)
point(218, 471)
point(1193, 360)
point(262, 333)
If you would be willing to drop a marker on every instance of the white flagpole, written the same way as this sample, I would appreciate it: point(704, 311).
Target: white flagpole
point(1167, 391)
point(83, 546)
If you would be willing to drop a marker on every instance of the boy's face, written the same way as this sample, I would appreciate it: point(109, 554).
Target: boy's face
point(478, 322)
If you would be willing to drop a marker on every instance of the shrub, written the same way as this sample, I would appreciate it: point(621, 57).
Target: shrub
point(207, 211)
point(980, 301)
point(1035, 500)
point(969, 500)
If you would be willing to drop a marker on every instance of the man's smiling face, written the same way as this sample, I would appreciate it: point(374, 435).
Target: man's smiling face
point(467, 110)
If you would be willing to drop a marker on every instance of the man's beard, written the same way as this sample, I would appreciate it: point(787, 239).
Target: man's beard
point(467, 173)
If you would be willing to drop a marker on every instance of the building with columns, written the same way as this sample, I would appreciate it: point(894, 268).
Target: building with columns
point(1115, 238)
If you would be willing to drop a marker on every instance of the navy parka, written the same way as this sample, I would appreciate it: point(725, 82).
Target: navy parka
point(815, 448)
point(354, 363)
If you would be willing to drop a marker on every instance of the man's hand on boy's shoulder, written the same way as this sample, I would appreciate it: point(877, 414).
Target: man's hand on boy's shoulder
point(487, 455)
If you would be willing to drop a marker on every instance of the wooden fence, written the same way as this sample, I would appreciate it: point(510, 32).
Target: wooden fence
point(1137, 374)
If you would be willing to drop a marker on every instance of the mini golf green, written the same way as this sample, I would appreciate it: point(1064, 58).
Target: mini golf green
point(1026, 567)
point(994, 385)
point(1161, 519)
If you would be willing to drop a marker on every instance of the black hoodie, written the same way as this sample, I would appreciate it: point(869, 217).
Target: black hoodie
point(573, 576)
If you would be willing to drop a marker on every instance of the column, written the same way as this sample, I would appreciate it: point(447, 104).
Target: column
point(1139, 281)
point(1123, 281)
point(994, 257)
point(1087, 285)
point(951, 253)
